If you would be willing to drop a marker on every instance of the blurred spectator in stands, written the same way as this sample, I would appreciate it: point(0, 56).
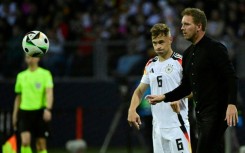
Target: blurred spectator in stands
point(27, 7)
point(215, 26)
point(170, 15)
point(54, 60)
point(5, 31)
point(30, 24)
point(128, 64)
point(240, 68)
point(232, 17)
point(116, 46)
point(9, 11)
point(154, 16)
point(229, 39)
point(30, 14)
point(113, 19)
point(82, 60)
point(180, 44)
point(14, 53)
point(2, 52)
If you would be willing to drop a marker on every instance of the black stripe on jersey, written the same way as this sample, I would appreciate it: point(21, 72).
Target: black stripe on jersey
point(152, 60)
point(155, 59)
point(181, 120)
point(176, 56)
point(182, 127)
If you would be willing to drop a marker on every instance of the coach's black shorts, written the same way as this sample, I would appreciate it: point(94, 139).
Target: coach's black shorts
point(33, 121)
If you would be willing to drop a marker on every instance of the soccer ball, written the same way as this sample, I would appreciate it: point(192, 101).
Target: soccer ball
point(35, 44)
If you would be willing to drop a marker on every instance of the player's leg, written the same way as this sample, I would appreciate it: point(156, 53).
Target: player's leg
point(157, 140)
point(41, 145)
point(41, 133)
point(25, 142)
point(163, 141)
point(24, 127)
point(180, 140)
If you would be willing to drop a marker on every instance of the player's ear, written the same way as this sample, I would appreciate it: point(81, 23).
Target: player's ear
point(171, 39)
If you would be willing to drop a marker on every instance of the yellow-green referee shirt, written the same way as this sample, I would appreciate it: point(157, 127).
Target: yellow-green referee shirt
point(32, 87)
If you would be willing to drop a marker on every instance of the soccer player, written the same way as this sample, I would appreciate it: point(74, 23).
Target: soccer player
point(162, 74)
point(209, 74)
point(33, 104)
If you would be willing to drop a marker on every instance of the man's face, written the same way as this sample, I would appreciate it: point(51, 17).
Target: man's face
point(162, 44)
point(188, 28)
point(31, 60)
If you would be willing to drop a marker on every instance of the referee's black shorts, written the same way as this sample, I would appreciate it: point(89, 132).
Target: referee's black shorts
point(33, 122)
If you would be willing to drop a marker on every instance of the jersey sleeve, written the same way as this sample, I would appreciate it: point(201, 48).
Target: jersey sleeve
point(145, 78)
point(18, 87)
point(49, 80)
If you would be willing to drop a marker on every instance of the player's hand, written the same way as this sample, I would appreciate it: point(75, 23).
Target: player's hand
point(175, 106)
point(154, 99)
point(134, 119)
point(47, 115)
point(231, 115)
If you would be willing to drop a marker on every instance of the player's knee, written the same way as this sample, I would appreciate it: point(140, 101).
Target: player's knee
point(41, 147)
point(41, 144)
point(25, 143)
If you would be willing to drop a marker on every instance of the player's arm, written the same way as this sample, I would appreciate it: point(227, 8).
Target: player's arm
point(49, 98)
point(183, 90)
point(49, 106)
point(133, 117)
point(15, 110)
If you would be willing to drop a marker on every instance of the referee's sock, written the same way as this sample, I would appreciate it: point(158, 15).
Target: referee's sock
point(25, 149)
point(43, 151)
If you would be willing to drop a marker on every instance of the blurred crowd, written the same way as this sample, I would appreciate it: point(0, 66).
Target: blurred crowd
point(75, 26)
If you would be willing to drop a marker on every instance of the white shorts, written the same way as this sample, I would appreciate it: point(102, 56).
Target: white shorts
point(171, 140)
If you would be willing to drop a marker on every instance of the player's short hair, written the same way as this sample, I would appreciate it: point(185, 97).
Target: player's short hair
point(197, 15)
point(160, 29)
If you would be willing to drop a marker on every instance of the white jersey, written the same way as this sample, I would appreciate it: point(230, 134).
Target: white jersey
point(162, 78)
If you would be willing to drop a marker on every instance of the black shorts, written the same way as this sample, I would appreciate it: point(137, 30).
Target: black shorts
point(33, 122)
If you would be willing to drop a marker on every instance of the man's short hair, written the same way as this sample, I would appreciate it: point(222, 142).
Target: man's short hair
point(197, 15)
point(160, 29)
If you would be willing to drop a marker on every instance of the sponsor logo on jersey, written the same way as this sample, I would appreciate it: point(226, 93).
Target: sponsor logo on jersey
point(152, 71)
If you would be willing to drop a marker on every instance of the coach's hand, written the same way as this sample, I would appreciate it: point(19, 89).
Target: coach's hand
point(231, 115)
point(134, 119)
point(154, 99)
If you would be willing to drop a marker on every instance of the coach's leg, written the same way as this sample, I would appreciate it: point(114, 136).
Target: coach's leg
point(211, 135)
point(26, 142)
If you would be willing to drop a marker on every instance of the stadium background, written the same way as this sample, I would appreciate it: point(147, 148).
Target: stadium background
point(97, 53)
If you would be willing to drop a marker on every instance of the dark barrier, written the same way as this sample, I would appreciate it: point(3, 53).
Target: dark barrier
point(97, 103)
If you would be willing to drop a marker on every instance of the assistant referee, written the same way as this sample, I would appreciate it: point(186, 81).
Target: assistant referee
point(33, 104)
